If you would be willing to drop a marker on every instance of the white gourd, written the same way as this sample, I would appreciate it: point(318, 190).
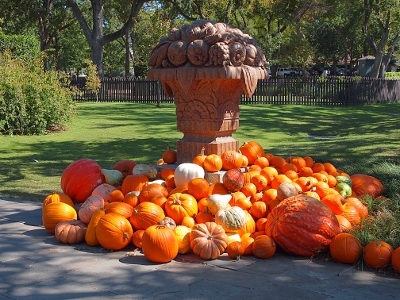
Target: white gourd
point(186, 172)
point(216, 202)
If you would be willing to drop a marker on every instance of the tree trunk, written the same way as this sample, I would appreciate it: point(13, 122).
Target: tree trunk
point(127, 55)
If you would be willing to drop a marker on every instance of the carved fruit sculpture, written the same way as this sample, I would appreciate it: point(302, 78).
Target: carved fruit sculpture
point(302, 225)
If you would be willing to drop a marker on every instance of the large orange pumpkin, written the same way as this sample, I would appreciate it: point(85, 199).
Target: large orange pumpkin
point(366, 185)
point(114, 232)
point(302, 225)
point(57, 197)
point(80, 178)
point(159, 244)
point(134, 183)
point(54, 213)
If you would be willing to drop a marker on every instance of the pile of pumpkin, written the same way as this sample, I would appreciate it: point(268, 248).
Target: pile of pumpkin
point(261, 201)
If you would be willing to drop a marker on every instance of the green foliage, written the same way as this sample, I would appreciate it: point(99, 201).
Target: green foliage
point(21, 46)
point(93, 81)
point(32, 102)
point(392, 75)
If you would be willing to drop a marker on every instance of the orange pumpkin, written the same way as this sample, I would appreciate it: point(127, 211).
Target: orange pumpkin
point(365, 185)
point(57, 197)
point(159, 244)
point(133, 183)
point(263, 246)
point(180, 205)
point(56, 212)
point(150, 190)
point(235, 250)
point(125, 166)
point(252, 150)
point(114, 232)
point(169, 156)
point(199, 158)
point(124, 209)
point(146, 214)
point(345, 248)
point(378, 254)
point(213, 163)
point(231, 159)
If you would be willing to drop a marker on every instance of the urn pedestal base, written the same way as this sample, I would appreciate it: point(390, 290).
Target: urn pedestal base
point(189, 149)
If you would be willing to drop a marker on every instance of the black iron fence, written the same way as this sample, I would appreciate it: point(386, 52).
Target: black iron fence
point(305, 91)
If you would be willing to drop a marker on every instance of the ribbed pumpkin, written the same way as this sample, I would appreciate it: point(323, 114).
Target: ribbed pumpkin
point(252, 150)
point(302, 225)
point(366, 185)
point(114, 232)
point(378, 254)
point(159, 244)
point(150, 190)
point(80, 178)
point(125, 166)
point(124, 209)
point(180, 205)
point(208, 240)
point(233, 180)
point(70, 231)
point(345, 248)
point(133, 183)
point(231, 218)
point(90, 236)
point(56, 212)
point(88, 207)
point(146, 214)
point(263, 246)
point(104, 190)
point(231, 159)
point(57, 197)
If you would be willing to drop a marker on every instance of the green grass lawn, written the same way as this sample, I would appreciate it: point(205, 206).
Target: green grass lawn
point(366, 140)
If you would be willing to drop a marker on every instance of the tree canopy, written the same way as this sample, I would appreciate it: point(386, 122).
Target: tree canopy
point(118, 35)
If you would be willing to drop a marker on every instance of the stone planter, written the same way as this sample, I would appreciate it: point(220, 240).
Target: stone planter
point(207, 104)
point(207, 66)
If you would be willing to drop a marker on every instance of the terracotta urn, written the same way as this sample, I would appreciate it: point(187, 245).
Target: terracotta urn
point(206, 67)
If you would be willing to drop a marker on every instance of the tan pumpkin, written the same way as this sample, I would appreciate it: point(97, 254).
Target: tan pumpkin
point(70, 231)
point(149, 171)
point(208, 240)
point(104, 190)
point(88, 207)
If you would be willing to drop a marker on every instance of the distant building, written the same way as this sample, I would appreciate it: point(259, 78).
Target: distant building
point(365, 65)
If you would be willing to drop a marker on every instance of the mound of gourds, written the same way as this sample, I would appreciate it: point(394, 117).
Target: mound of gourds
point(260, 202)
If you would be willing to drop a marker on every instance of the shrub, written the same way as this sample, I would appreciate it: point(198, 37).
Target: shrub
point(32, 102)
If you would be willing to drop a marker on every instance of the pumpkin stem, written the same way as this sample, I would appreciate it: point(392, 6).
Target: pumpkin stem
point(168, 147)
point(203, 149)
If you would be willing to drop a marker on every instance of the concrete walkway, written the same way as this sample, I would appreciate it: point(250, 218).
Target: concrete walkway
point(33, 265)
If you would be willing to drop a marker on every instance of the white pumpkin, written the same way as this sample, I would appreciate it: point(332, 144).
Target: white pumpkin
point(231, 219)
point(186, 172)
point(216, 202)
